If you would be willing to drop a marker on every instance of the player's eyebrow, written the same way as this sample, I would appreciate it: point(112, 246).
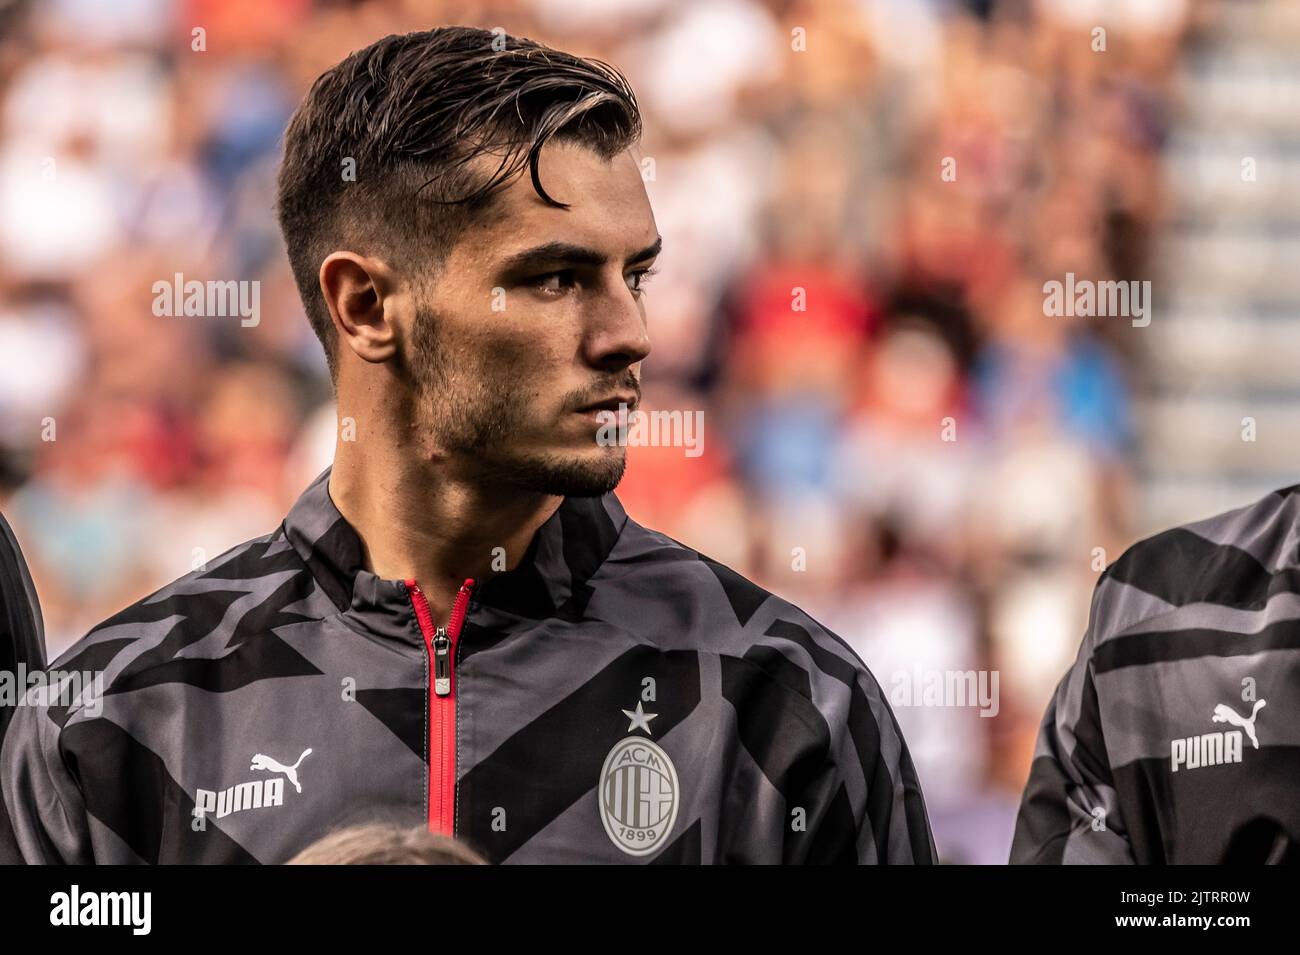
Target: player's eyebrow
point(552, 254)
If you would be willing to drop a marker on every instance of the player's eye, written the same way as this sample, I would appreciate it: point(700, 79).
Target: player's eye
point(636, 280)
point(553, 283)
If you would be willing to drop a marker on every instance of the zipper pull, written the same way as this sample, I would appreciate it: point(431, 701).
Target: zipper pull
point(441, 662)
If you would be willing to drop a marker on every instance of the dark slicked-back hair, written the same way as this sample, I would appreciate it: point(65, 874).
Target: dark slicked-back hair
point(412, 113)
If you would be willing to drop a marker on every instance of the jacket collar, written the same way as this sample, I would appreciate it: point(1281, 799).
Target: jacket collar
point(552, 579)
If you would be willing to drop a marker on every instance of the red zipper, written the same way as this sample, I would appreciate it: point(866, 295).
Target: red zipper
point(441, 646)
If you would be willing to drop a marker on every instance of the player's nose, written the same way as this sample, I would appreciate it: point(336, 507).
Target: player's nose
point(617, 334)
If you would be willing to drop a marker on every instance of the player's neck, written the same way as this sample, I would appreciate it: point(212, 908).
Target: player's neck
point(417, 522)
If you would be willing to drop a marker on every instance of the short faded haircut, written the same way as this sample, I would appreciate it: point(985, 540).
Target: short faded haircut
point(412, 112)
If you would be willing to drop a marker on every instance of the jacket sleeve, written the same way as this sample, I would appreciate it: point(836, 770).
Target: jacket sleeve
point(892, 824)
point(1070, 812)
point(852, 793)
point(42, 814)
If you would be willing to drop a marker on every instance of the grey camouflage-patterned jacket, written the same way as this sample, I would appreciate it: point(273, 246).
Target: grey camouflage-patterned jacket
point(616, 698)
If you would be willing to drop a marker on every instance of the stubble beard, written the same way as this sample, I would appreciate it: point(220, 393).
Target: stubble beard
point(480, 415)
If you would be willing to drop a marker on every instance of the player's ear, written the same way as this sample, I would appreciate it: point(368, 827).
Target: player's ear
point(355, 288)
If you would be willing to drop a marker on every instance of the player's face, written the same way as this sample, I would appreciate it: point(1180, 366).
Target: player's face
point(537, 315)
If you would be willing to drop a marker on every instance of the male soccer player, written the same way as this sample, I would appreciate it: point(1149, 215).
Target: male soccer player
point(458, 625)
point(1175, 737)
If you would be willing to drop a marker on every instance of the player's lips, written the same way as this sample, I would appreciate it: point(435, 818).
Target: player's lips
point(617, 404)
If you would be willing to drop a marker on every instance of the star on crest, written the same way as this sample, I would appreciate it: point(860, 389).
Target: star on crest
point(640, 719)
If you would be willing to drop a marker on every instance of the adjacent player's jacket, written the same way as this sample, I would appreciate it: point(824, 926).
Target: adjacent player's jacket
point(617, 697)
point(1175, 737)
point(22, 634)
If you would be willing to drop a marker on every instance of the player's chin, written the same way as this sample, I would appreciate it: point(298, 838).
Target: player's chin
point(588, 472)
point(567, 469)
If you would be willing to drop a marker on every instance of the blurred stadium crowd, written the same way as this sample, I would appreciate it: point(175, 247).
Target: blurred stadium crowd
point(920, 458)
